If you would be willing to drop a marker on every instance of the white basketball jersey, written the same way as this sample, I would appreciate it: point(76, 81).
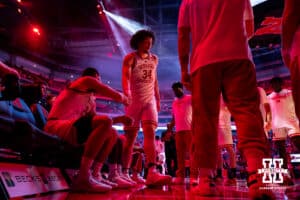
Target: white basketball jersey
point(182, 111)
point(143, 76)
point(283, 109)
point(224, 115)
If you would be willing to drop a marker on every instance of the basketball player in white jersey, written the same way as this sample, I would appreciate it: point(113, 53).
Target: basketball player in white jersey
point(225, 141)
point(73, 118)
point(139, 81)
point(182, 120)
point(284, 120)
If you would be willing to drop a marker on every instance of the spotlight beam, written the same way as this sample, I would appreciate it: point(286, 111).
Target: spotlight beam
point(117, 36)
point(128, 25)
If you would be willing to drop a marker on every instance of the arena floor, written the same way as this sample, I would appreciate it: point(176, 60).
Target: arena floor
point(173, 192)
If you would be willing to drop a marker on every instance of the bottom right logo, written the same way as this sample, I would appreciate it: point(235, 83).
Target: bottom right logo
point(272, 170)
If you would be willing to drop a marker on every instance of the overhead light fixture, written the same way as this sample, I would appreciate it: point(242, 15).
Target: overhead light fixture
point(100, 7)
point(36, 31)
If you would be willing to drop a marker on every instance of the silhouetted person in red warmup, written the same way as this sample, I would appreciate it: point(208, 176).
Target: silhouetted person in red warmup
point(220, 62)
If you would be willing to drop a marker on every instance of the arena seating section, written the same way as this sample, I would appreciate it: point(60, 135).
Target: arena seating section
point(22, 142)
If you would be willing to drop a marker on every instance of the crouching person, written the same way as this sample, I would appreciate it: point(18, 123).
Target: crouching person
point(73, 118)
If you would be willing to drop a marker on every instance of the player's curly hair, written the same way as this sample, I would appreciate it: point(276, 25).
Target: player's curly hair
point(139, 36)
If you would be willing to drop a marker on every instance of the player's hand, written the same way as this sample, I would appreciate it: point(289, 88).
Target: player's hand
point(129, 100)
point(126, 100)
point(268, 126)
point(186, 80)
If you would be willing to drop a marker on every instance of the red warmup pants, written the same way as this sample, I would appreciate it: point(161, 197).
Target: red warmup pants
point(236, 80)
point(295, 78)
point(183, 146)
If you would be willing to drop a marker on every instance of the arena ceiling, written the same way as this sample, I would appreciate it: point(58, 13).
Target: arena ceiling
point(68, 35)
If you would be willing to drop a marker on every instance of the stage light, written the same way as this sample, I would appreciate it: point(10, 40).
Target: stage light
point(36, 31)
point(129, 26)
point(100, 7)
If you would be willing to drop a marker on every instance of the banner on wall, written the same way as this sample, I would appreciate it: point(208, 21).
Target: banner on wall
point(22, 180)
